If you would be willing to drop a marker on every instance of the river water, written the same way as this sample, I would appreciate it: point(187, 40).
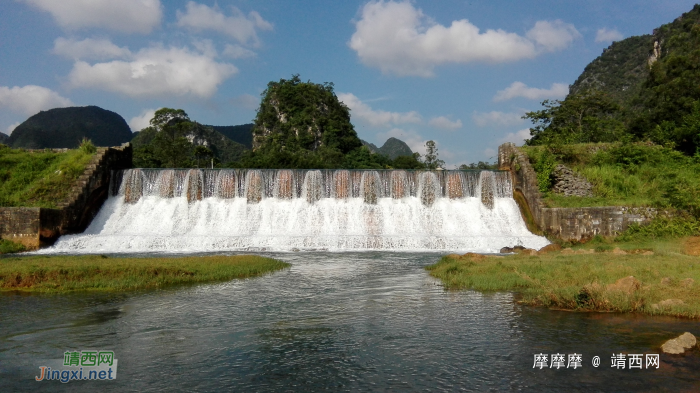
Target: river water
point(333, 322)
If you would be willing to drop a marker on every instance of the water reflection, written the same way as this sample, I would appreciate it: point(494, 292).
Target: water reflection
point(340, 322)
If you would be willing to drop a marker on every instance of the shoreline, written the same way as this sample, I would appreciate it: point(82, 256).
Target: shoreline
point(655, 281)
point(64, 274)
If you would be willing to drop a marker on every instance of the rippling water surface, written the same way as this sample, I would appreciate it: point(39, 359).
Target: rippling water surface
point(334, 322)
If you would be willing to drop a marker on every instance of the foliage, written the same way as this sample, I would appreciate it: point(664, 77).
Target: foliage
point(543, 162)
point(660, 228)
point(629, 174)
point(431, 159)
point(87, 147)
point(40, 178)
point(626, 95)
point(99, 273)
point(66, 127)
point(8, 247)
point(242, 134)
point(296, 115)
point(174, 141)
point(479, 165)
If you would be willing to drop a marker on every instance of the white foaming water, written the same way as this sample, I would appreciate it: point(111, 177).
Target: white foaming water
point(180, 211)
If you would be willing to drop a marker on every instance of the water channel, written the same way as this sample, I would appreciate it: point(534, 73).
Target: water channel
point(354, 321)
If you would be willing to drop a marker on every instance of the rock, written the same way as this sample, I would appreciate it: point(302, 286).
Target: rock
point(627, 284)
point(567, 251)
point(528, 251)
point(687, 283)
point(549, 248)
point(569, 183)
point(617, 251)
point(506, 250)
point(679, 344)
point(667, 303)
point(672, 347)
point(666, 281)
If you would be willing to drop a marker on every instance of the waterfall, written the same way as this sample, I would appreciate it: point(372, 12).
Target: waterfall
point(211, 210)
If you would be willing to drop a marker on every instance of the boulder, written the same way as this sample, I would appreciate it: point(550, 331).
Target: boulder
point(678, 345)
point(667, 303)
point(549, 248)
point(506, 250)
point(627, 284)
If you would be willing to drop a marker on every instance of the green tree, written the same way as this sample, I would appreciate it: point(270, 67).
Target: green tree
point(431, 159)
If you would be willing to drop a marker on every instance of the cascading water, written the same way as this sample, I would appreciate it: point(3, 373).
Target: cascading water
point(173, 210)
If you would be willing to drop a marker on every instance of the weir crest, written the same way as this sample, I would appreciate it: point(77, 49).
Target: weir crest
point(203, 210)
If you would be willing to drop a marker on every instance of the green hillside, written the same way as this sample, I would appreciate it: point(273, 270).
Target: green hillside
point(4, 138)
point(242, 134)
point(66, 127)
point(39, 179)
point(644, 88)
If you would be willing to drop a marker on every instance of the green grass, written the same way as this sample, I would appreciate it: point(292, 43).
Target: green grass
point(579, 281)
point(626, 175)
point(98, 273)
point(8, 247)
point(39, 179)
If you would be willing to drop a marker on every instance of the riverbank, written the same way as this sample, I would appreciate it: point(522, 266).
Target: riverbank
point(56, 274)
point(661, 279)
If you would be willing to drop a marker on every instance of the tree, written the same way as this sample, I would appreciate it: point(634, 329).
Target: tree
point(431, 156)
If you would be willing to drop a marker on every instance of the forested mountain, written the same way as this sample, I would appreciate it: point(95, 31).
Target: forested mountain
point(66, 127)
point(304, 125)
point(173, 140)
point(4, 138)
point(392, 148)
point(242, 134)
point(644, 88)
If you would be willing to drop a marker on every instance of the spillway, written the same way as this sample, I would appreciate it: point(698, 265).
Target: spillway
point(195, 210)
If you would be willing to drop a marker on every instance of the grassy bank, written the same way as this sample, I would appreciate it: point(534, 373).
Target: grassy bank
point(665, 283)
point(99, 273)
point(39, 179)
point(622, 174)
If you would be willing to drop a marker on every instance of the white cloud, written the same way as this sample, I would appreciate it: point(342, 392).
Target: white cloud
point(96, 49)
point(443, 122)
point(605, 35)
point(29, 100)
point(128, 16)
point(138, 123)
point(519, 89)
point(155, 72)
point(399, 39)
point(247, 101)
point(553, 36)
point(516, 137)
point(242, 28)
point(483, 119)
point(363, 112)
point(11, 128)
point(237, 52)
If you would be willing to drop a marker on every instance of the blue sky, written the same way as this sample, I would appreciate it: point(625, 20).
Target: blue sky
point(458, 72)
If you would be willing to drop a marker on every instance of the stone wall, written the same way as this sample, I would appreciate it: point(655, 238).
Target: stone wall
point(569, 224)
point(34, 227)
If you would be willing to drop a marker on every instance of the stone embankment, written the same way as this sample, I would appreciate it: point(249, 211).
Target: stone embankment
point(34, 227)
point(569, 224)
point(569, 183)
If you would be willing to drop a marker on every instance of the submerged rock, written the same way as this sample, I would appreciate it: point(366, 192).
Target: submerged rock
point(678, 345)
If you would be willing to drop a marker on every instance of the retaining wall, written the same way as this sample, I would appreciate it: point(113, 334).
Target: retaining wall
point(569, 224)
point(34, 227)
